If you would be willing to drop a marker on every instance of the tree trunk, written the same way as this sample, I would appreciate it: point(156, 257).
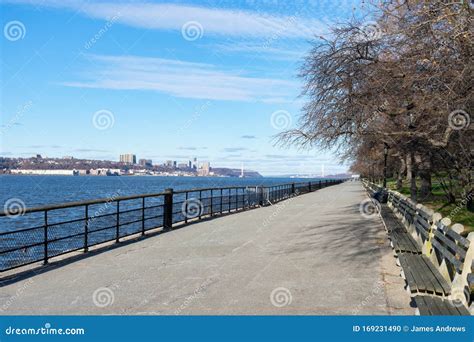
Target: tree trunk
point(469, 202)
point(425, 188)
point(425, 176)
point(400, 174)
point(409, 167)
point(413, 188)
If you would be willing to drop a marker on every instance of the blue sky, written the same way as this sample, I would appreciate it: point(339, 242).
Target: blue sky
point(214, 80)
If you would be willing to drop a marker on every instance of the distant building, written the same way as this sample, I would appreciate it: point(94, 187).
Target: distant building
point(145, 162)
point(68, 157)
point(128, 158)
point(38, 156)
point(190, 164)
point(182, 166)
point(169, 163)
point(205, 168)
point(175, 163)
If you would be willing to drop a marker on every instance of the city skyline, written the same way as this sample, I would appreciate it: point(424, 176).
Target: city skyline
point(166, 87)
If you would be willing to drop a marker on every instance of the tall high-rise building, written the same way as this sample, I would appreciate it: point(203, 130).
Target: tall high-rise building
point(204, 169)
point(128, 158)
point(145, 162)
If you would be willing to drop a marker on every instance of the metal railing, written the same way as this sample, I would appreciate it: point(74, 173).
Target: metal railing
point(38, 234)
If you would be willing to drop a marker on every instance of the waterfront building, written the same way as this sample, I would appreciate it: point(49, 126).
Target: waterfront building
point(128, 158)
point(205, 168)
point(145, 162)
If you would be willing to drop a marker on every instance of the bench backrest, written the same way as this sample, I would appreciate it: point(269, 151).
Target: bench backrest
point(422, 222)
point(454, 256)
point(449, 246)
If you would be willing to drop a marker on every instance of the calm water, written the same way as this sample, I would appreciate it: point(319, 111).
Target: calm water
point(44, 190)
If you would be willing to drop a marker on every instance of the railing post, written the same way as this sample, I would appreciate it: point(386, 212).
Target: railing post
point(186, 208)
point(86, 231)
point(309, 186)
point(221, 200)
point(117, 226)
point(236, 199)
point(292, 188)
point(45, 260)
point(143, 216)
point(211, 201)
point(201, 205)
point(320, 184)
point(168, 210)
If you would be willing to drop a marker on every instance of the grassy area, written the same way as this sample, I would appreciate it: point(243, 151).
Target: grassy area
point(457, 212)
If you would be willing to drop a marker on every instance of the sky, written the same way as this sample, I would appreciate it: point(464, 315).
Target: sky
point(216, 80)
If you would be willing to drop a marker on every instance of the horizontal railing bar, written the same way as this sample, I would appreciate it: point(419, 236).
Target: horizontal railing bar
point(82, 203)
point(125, 198)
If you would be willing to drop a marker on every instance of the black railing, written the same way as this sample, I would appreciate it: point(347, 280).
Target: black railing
point(38, 234)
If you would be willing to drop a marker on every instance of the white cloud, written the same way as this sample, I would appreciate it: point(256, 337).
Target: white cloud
point(265, 50)
point(215, 21)
point(182, 79)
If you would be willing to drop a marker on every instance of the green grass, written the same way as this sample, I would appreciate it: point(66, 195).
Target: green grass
point(457, 212)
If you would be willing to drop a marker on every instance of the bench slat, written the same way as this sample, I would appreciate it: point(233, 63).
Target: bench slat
point(451, 244)
point(422, 276)
point(429, 306)
point(448, 255)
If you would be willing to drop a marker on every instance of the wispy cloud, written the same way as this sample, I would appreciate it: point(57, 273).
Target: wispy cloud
point(265, 49)
point(215, 21)
point(191, 148)
point(248, 137)
point(234, 149)
point(181, 79)
point(88, 150)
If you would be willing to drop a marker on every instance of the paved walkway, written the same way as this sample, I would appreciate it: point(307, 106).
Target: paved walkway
point(313, 254)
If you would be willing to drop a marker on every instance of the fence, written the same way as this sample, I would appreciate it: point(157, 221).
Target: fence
point(38, 234)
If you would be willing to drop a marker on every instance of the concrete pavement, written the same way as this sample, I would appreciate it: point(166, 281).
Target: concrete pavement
point(312, 254)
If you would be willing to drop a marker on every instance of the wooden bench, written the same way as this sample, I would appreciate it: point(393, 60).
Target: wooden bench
point(434, 306)
point(422, 276)
point(441, 277)
point(401, 240)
